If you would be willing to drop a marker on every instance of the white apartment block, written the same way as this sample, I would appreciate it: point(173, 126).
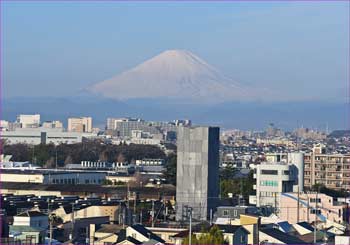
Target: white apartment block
point(29, 121)
point(80, 124)
point(272, 179)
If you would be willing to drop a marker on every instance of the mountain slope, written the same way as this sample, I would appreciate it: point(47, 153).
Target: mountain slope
point(175, 74)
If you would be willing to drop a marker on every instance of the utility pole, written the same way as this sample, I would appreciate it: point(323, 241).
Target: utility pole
point(190, 228)
point(134, 202)
point(298, 206)
point(50, 220)
point(73, 221)
point(308, 210)
point(211, 216)
point(56, 158)
point(152, 213)
point(316, 205)
point(141, 216)
point(165, 213)
point(33, 154)
point(128, 204)
point(275, 203)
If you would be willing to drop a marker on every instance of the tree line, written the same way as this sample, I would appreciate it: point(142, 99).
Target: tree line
point(45, 154)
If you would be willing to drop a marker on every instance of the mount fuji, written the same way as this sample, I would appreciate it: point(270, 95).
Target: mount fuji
point(175, 75)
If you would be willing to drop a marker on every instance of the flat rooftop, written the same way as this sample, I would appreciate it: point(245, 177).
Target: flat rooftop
point(168, 190)
point(46, 171)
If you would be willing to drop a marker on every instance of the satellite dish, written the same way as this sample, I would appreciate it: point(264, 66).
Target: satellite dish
point(245, 171)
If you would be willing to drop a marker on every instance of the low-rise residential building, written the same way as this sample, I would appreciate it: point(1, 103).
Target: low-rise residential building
point(34, 219)
point(233, 212)
point(142, 234)
point(275, 236)
point(165, 233)
point(272, 179)
point(300, 207)
point(27, 234)
point(111, 211)
point(105, 233)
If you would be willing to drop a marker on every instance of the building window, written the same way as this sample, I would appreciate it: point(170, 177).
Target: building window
point(313, 211)
point(286, 172)
point(314, 200)
point(269, 172)
point(269, 183)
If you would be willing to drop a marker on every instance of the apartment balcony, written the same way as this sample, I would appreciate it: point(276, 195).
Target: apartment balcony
point(334, 170)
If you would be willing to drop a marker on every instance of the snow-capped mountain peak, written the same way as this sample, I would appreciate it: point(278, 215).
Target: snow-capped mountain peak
point(173, 74)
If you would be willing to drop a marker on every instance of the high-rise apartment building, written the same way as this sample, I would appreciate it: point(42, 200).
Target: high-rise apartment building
point(28, 121)
point(80, 124)
point(331, 170)
point(197, 178)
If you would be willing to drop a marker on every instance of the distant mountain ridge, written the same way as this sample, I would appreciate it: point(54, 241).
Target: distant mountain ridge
point(176, 74)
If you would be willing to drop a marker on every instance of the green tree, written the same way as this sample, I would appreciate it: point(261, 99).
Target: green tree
point(170, 169)
point(237, 185)
point(214, 236)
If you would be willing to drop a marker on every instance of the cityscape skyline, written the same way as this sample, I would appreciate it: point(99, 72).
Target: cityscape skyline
point(184, 123)
point(314, 65)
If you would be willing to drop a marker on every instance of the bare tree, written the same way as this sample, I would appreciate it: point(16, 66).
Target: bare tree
point(68, 160)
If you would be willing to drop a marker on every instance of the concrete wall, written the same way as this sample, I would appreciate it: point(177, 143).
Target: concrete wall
point(23, 178)
point(197, 171)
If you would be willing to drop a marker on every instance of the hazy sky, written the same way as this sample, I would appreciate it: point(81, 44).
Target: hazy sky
point(296, 48)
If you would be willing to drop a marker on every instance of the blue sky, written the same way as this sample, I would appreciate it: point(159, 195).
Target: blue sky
point(296, 48)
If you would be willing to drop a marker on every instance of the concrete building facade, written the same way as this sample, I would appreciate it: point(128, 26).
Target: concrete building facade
point(52, 124)
point(80, 124)
point(325, 210)
point(35, 136)
point(330, 170)
point(197, 171)
point(28, 121)
point(57, 177)
point(271, 181)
